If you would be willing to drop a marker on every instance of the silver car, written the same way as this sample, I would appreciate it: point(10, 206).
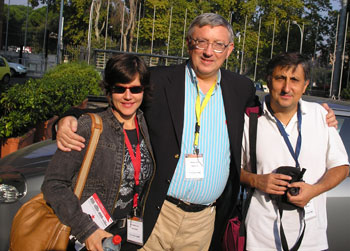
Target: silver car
point(338, 199)
point(17, 69)
point(22, 173)
point(21, 176)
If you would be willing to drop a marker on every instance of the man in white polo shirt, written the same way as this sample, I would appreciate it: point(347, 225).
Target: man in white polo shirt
point(291, 132)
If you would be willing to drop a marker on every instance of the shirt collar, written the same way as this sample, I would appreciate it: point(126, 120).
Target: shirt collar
point(193, 76)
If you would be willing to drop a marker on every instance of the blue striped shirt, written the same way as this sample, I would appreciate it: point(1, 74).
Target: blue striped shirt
point(213, 144)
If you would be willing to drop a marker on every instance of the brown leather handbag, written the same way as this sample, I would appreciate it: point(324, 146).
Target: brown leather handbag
point(35, 226)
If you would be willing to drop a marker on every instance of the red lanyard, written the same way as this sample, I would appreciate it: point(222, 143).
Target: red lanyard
point(136, 162)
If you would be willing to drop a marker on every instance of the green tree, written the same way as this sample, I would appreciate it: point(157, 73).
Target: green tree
point(313, 13)
point(16, 26)
point(36, 28)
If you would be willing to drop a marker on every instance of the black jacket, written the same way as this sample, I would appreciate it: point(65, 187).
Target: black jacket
point(104, 176)
point(164, 116)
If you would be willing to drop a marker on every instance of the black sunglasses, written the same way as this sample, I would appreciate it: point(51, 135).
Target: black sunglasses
point(122, 89)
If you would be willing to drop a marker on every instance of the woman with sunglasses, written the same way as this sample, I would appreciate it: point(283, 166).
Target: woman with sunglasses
point(123, 166)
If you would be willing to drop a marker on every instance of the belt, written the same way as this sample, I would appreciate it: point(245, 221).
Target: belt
point(186, 206)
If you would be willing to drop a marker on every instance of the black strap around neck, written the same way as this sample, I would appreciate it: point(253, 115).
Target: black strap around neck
point(295, 154)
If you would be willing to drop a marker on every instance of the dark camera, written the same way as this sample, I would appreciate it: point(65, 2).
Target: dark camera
point(297, 175)
point(293, 190)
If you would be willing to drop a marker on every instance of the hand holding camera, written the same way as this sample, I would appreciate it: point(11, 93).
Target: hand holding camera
point(297, 176)
point(294, 191)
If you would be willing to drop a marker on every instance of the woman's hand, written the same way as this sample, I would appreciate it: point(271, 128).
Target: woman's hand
point(94, 241)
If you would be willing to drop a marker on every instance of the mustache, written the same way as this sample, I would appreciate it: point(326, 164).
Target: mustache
point(284, 93)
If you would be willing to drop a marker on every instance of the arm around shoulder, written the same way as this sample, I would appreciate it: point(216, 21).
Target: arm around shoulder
point(67, 138)
point(73, 112)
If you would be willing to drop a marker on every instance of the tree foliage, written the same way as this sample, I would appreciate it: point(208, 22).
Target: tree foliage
point(163, 24)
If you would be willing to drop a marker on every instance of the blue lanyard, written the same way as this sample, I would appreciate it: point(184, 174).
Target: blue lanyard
point(286, 139)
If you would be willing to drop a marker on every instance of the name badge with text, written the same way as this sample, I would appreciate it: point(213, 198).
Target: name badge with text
point(135, 230)
point(194, 166)
point(94, 207)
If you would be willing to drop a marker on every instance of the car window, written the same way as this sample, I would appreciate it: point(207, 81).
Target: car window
point(2, 62)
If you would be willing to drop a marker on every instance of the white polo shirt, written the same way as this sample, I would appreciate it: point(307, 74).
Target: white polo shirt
point(321, 149)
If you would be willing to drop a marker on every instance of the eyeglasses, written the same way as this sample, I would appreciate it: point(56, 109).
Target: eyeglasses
point(202, 44)
point(121, 89)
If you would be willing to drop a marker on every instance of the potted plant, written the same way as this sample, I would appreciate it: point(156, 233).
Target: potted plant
point(18, 117)
point(65, 86)
point(36, 103)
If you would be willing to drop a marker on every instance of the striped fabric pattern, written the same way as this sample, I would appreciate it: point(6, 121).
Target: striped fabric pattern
point(213, 144)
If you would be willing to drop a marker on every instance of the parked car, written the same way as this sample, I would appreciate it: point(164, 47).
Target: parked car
point(5, 72)
point(338, 199)
point(22, 173)
point(17, 69)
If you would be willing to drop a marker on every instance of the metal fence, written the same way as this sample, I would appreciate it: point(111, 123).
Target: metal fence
point(37, 64)
point(100, 58)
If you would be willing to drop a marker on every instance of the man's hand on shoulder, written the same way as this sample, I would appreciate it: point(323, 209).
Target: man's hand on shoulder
point(330, 117)
point(67, 139)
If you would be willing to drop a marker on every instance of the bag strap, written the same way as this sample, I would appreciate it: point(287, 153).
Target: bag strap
point(96, 130)
point(253, 113)
point(253, 127)
point(282, 235)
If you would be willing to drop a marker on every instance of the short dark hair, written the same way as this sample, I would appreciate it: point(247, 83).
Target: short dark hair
point(212, 20)
point(123, 69)
point(288, 60)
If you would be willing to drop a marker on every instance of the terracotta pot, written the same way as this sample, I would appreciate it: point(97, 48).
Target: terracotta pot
point(13, 144)
point(44, 129)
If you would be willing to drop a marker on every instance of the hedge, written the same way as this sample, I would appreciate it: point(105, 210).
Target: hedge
point(22, 106)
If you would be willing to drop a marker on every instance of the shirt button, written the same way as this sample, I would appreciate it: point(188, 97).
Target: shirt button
point(176, 156)
point(168, 181)
point(158, 208)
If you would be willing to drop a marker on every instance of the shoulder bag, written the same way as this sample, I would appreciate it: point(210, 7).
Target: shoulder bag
point(35, 225)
